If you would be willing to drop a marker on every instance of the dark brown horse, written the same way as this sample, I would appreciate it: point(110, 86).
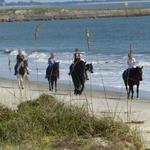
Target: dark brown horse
point(77, 71)
point(132, 77)
point(52, 74)
point(22, 73)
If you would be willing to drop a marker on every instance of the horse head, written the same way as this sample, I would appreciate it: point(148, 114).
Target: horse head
point(89, 67)
point(25, 63)
point(139, 72)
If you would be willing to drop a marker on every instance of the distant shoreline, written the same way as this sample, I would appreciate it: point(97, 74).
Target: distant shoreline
point(8, 14)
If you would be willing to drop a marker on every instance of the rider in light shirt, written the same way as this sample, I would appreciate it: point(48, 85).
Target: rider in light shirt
point(131, 61)
point(51, 59)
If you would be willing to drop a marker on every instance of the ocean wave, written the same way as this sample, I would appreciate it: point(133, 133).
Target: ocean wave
point(38, 55)
point(7, 51)
point(65, 62)
point(15, 52)
point(144, 63)
point(103, 72)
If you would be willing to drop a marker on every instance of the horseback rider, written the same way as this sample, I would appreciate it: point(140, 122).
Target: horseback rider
point(77, 56)
point(51, 61)
point(19, 58)
point(131, 63)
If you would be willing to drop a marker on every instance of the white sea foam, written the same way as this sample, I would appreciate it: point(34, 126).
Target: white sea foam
point(144, 63)
point(15, 52)
point(39, 57)
point(107, 68)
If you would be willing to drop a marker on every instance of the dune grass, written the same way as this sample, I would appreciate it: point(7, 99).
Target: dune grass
point(46, 123)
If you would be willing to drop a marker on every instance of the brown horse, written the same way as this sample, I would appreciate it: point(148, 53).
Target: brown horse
point(132, 77)
point(22, 73)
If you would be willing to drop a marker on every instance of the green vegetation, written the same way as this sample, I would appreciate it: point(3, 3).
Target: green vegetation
point(48, 124)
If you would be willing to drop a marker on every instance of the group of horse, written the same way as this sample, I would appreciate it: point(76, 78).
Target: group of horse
point(77, 72)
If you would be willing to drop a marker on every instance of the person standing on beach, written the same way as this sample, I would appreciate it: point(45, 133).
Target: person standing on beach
point(19, 58)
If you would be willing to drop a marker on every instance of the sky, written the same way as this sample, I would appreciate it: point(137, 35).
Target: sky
point(38, 0)
point(62, 0)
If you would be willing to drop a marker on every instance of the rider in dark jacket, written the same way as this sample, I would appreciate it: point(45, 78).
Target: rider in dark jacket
point(77, 57)
point(19, 58)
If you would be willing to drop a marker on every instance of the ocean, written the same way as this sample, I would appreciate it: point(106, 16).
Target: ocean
point(104, 4)
point(109, 44)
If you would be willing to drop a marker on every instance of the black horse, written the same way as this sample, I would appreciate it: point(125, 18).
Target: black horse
point(131, 78)
point(22, 73)
point(78, 74)
point(52, 74)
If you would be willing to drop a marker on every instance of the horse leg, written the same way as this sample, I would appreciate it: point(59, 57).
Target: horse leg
point(137, 91)
point(19, 81)
point(55, 84)
point(49, 82)
point(127, 91)
point(132, 92)
point(18, 78)
point(52, 83)
point(22, 84)
point(130, 88)
point(76, 91)
point(82, 88)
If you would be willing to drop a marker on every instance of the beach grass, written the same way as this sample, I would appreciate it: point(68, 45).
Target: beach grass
point(46, 123)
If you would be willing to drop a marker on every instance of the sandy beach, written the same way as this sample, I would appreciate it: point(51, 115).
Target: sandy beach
point(99, 102)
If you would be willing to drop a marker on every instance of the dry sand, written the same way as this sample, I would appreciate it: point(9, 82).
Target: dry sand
point(136, 112)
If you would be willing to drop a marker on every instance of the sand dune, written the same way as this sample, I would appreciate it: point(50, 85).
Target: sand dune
point(135, 112)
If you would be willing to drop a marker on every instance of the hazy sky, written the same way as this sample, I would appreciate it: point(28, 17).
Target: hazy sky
point(37, 0)
point(64, 0)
